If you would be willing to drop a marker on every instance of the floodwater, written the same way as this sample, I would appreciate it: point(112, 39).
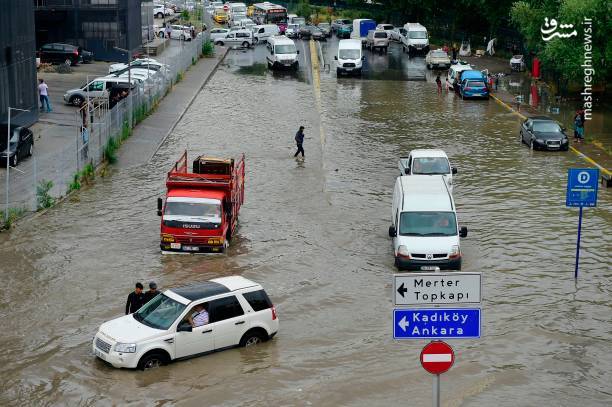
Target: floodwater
point(314, 234)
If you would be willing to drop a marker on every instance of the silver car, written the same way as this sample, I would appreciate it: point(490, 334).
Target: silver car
point(242, 38)
point(437, 58)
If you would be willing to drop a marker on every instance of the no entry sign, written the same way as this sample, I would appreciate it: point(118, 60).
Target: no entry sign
point(437, 357)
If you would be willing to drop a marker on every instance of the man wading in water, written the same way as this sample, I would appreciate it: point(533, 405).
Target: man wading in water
point(299, 139)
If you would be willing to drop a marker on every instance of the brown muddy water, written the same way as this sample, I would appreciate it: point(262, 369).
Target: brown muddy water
point(314, 234)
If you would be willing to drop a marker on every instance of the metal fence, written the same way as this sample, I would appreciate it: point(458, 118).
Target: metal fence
point(96, 129)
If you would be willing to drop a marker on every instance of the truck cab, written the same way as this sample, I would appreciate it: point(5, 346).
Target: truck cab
point(200, 212)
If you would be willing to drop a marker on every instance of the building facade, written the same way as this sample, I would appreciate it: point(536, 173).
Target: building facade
point(18, 87)
point(99, 26)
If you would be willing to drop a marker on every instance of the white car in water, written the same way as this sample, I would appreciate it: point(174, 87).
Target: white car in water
point(428, 162)
point(238, 313)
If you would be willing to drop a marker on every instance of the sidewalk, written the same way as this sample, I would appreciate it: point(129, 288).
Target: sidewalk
point(149, 134)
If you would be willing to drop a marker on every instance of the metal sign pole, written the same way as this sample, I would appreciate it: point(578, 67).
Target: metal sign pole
point(436, 390)
point(578, 244)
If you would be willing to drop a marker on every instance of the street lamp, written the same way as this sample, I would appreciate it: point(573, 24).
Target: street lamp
point(8, 150)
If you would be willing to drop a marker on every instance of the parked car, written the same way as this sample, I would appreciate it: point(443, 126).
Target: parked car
point(377, 39)
point(159, 11)
point(97, 88)
point(453, 76)
point(21, 144)
point(543, 133)
point(396, 34)
point(263, 32)
point(473, 88)
point(310, 31)
point(238, 37)
point(389, 28)
point(218, 32)
point(240, 313)
point(178, 32)
point(437, 58)
point(282, 53)
point(325, 28)
point(63, 54)
point(336, 24)
point(428, 162)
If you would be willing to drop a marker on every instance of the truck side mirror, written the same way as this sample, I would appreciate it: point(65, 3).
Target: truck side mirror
point(392, 231)
point(160, 204)
point(454, 170)
point(463, 231)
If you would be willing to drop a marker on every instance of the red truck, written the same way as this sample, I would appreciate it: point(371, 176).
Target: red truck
point(200, 213)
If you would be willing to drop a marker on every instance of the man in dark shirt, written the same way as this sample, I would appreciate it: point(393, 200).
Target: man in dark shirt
point(149, 295)
point(299, 139)
point(135, 300)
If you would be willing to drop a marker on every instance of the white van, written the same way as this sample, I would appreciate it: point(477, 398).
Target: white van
point(238, 312)
point(415, 39)
point(452, 76)
point(428, 162)
point(424, 225)
point(350, 57)
point(99, 88)
point(263, 32)
point(282, 53)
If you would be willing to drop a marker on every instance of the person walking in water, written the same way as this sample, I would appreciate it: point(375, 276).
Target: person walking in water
point(439, 83)
point(299, 139)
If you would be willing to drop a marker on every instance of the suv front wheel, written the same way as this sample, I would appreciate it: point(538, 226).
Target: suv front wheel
point(152, 360)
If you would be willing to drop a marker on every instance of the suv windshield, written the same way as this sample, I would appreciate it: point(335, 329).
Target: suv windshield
point(428, 224)
point(546, 127)
point(349, 54)
point(160, 312)
point(430, 166)
point(285, 49)
point(417, 35)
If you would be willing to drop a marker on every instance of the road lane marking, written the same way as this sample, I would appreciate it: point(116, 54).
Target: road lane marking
point(316, 83)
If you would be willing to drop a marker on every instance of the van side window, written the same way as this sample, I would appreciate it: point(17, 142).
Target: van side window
point(97, 85)
point(258, 300)
point(224, 308)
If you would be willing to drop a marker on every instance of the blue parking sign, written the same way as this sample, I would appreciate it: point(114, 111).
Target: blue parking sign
point(582, 186)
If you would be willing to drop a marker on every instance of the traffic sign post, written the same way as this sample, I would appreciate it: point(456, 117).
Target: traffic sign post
point(437, 357)
point(582, 186)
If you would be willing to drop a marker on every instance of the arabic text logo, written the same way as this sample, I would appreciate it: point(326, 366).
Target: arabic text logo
point(549, 30)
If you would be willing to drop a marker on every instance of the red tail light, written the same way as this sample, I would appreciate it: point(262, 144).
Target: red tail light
point(273, 313)
point(76, 52)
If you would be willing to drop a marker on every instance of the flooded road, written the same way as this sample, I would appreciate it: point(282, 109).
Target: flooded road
point(314, 234)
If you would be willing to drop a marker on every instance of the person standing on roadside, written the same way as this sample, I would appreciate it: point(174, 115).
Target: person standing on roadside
point(168, 30)
point(439, 83)
point(43, 93)
point(135, 300)
point(578, 127)
point(149, 295)
point(454, 53)
point(299, 140)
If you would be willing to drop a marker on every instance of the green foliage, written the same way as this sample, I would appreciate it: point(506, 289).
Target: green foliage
point(75, 185)
point(126, 131)
point(179, 77)
point(208, 49)
point(185, 15)
point(304, 9)
point(110, 150)
point(43, 198)
point(13, 215)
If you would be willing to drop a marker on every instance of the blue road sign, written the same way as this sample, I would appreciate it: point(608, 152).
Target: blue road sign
point(436, 323)
point(582, 187)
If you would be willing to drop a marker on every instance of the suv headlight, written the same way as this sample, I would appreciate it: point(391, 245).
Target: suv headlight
point(125, 347)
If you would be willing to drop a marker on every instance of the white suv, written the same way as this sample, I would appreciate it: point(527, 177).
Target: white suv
point(239, 312)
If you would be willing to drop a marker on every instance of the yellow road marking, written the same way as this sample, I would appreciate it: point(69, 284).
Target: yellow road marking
point(579, 153)
point(316, 83)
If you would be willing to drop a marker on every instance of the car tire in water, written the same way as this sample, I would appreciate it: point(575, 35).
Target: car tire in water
point(252, 337)
point(76, 101)
point(152, 360)
point(245, 44)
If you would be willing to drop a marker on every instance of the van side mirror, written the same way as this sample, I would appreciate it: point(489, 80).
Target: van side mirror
point(454, 170)
point(160, 204)
point(184, 327)
point(336, 57)
point(463, 231)
point(392, 231)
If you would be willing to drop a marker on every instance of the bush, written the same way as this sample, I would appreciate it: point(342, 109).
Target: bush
point(126, 131)
point(43, 198)
point(110, 150)
point(208, 49)
point(75, 184)
point(13, 215)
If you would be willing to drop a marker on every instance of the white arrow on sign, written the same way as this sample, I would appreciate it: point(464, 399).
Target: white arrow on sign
point(403, 324)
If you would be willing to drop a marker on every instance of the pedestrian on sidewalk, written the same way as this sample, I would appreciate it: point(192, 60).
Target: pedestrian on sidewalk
point(299, 140)
point(135, 300)
point(439, 83)
point(43, 93)
point(168, 31)
point(149, 295)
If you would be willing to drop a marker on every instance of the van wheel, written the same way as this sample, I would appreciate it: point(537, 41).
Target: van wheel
point(252, 337)
point(152, 361)
point(76, 101)
point(68, 62)
point(245, 44)
point(220, 43)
